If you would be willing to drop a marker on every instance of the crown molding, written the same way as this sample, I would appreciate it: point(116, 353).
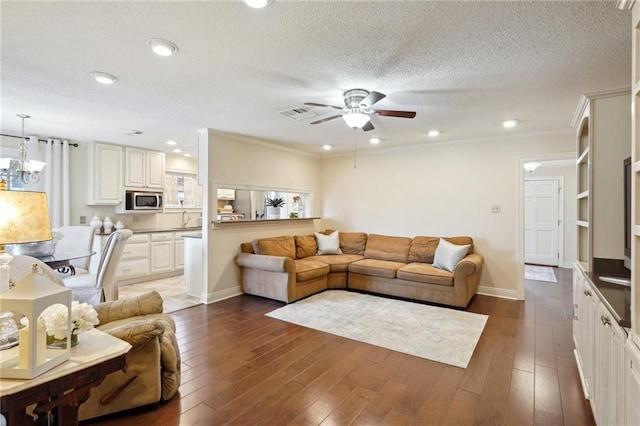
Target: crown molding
point(625, 4)
point(586, 97)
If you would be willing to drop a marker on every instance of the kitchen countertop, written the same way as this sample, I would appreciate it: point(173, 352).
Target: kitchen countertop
point(167, 229)
point(617, 297)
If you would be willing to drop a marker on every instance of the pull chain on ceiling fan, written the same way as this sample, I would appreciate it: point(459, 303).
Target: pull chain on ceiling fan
point(357, 109)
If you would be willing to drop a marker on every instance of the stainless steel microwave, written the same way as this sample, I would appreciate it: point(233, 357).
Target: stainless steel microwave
point(138, 200)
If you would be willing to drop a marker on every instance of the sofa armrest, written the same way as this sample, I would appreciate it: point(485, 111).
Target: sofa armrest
point(144, 304)
point(265, 262)
point(469, 264)
point(137, 332)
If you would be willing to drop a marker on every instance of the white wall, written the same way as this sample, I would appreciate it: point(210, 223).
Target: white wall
point(611, 135)
point(236, 161)
point(566, 169)
point(440, 190)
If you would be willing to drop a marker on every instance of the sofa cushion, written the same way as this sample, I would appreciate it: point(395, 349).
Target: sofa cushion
point(309, 269)
point(353, 242)
point(328, 244)
point(425, 273)
point(278, 246)
point(376, 268)
point(384, 247)
point(337, 262)
point(423, 249)
point(448, 255)
point(305, 246)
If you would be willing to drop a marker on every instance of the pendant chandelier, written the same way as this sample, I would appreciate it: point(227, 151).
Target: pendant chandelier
point(22, 169)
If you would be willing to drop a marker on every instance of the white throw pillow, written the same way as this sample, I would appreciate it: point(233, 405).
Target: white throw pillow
point(328, 244)
point(448, 255)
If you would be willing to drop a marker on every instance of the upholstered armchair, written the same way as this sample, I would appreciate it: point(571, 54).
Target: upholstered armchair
point(153, 373)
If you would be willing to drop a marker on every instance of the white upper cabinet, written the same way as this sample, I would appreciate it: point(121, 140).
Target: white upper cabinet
point(105, 174)
point(226, 194)
point(143, 169)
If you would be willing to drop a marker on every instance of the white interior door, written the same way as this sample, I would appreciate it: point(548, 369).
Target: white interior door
point(541, 222)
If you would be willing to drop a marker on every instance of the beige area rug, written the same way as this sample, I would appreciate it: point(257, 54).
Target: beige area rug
point(173, 292)
point(539, 273)
point(439, 334)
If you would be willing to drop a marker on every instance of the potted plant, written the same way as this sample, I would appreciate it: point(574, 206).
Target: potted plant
point(273, 207)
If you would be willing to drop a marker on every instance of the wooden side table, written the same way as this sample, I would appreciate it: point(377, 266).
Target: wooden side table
point(61, 390)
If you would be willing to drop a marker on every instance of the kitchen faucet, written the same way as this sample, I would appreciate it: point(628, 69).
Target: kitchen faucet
point(186, 217)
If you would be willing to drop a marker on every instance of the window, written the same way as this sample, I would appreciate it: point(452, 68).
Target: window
point(182, 191)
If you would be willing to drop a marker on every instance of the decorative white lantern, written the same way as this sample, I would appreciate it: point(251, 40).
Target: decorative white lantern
point(30, 297)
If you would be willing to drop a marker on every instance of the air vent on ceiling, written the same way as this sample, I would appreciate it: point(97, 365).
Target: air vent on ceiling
point(299, 113)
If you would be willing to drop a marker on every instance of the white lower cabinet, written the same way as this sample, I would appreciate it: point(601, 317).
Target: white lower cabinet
point(135, 257)
point(632, 384)
point(600, 353)
point(178, 252)
point(161, 252)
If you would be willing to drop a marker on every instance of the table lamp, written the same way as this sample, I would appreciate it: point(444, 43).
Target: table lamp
point(24, 218)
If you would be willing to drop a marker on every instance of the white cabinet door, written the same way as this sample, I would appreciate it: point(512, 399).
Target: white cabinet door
point(179, 254)
point(134, 173)
point(143, 169)
point(105, 174)
point(154, 169)
point(632, 384)
point(161, 256)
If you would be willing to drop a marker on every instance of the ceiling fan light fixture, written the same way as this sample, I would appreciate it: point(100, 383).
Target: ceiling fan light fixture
point(162, 47)
point(257, 4)
point(103, 77)
point(355, 119)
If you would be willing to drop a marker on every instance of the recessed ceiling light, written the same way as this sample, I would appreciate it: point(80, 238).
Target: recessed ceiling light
point(103, 77)
point(257, 4)
point(188, 155)
point(433, 133)
point(374, 140)
point(177, 150)
point(162, 47)
point(510, 123)
point(172, 143)
point(326, 147)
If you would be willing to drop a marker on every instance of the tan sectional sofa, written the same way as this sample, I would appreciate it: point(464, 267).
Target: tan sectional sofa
point(287, 268)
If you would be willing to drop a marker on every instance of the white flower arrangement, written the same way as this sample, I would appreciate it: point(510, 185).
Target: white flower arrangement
point(83, 318)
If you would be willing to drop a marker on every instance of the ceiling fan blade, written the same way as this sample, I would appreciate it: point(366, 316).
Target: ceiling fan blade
point(371, 99)
point(327, 119)
point(367, 127)
point(322, 105)
point(390, 113)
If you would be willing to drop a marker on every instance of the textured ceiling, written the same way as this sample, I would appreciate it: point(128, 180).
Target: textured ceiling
point(462, 66)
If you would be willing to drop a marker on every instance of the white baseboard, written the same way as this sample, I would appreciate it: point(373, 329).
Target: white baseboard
point(227, 293)
point(498, 292)
point(568, 265)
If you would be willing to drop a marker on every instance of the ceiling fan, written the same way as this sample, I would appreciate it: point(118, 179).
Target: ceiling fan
point(357, 109)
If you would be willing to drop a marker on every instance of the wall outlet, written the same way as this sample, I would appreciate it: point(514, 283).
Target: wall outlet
point(495, 208)
point(83, 219)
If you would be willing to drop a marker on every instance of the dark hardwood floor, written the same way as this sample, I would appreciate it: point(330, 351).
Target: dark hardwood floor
point(240, 367)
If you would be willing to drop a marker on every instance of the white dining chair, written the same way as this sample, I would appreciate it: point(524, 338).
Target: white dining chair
point(101, 286)
point(73, 238)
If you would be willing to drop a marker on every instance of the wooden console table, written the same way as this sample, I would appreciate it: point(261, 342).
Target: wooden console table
point(61, 390)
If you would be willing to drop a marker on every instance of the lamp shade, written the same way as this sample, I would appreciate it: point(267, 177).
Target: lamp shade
point(24, 217)
point(355, 120)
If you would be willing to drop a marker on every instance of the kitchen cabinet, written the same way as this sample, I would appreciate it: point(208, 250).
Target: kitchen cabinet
point(600, 352)
point(143, 168)
point(161, 252)
point(226, 194)
point(104, 174)
point(178, 253)
point(632, 383)
point(134, 261)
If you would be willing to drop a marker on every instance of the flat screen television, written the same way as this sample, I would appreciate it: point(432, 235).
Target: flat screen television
point(627, 213)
